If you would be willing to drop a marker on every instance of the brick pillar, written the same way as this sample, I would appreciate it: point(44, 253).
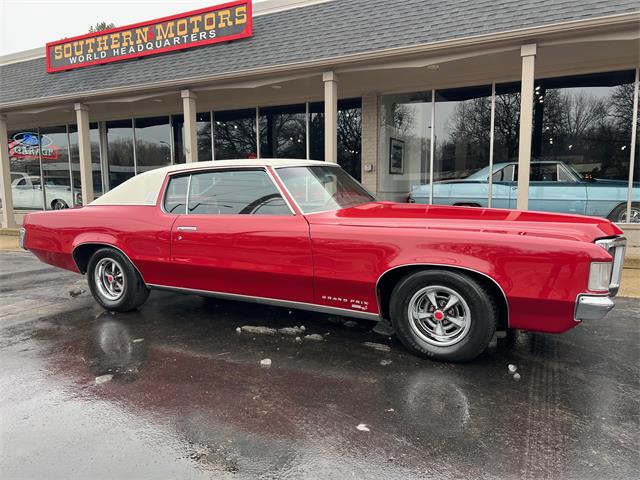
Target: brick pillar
point(370, 132)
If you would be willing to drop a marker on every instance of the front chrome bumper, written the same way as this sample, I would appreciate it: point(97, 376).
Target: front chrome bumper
point(592, 307)
point(596, 307)
point(21, 236)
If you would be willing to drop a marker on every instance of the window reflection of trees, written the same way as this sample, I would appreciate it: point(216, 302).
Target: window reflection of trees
point(235, 134)
point(588, 127)
point(283, 132)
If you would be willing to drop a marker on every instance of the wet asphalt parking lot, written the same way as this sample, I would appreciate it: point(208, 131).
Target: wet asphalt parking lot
point(173, 391)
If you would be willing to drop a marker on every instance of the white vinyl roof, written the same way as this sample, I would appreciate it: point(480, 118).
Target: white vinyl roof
point(143, 189)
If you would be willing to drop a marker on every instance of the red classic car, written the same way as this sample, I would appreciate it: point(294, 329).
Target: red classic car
point(304, 234)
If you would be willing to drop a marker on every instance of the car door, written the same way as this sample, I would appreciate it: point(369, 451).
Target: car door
point(553, 189)
point(503, 187)
point(239, 236)
point(23, 193)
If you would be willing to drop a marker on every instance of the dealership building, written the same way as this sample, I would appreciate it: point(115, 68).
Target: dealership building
point(411, 97)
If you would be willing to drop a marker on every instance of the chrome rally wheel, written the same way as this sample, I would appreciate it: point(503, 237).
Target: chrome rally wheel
point(443, 314)
point(439, 315)
point(114, 281)
point(109, 279)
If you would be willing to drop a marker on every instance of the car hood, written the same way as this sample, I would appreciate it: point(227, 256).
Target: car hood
point(461, 220)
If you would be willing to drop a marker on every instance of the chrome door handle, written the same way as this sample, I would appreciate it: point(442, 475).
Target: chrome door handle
point(187, 229)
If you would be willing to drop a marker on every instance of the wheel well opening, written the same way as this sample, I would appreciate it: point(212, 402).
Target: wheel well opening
point(391, 278)
point(83, 253)
point(466, 204)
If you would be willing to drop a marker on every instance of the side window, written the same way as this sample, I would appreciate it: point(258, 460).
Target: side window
point(564, 175)
point(544, 172)
point(175, 200)
point(505, 174)
point(235, 192)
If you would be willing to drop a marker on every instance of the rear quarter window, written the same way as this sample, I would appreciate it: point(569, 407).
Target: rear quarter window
point(175, 198)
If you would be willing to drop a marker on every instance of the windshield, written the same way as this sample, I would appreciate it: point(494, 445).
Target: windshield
point(320, 188)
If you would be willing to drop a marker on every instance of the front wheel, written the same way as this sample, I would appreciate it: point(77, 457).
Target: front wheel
point(59, 205)
point(443, 315)
point(114, 282)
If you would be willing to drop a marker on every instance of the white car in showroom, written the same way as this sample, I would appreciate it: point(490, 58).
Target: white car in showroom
point(27, 193)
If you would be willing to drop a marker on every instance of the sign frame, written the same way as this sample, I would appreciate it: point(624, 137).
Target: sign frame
point(247, 32)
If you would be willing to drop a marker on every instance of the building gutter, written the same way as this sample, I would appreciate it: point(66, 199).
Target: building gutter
point(519, 35)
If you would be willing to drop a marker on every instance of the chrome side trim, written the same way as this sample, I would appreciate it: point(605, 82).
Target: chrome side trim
point(272, 301)
point(456, 267)
point(73, 254)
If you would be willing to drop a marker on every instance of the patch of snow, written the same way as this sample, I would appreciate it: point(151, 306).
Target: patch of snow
point(265, 362)
point(258, 330)
point(104, 379)
point(378, 346)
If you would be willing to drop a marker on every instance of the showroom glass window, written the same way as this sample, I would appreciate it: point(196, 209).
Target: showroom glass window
point(405, 142)
point(506, 123)
point(120, 151)
point(462, 133)
point(283, 132)
point(94, 138)
point(56, 175)
point(153, 143)
point(584, 122)
point(235, 134)
point(349, 134)
point(24, 165)
point(203, 127)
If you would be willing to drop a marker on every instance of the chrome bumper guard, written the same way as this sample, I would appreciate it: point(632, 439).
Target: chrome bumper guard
point(22, 233)
point(596, 307)
point(592, 307)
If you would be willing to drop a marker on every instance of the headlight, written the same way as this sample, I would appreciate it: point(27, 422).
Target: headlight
point(599, 276)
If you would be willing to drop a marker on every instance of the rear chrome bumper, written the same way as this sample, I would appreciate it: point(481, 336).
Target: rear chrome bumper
point(592, 307)
point(21, 236)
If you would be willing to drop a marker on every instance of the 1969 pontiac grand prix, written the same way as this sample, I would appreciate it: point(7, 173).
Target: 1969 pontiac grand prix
point(306, 235)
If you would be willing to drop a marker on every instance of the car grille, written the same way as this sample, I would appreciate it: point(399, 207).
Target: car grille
point(616, 248)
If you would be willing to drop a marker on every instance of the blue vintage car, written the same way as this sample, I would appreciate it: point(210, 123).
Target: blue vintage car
point(554, 187)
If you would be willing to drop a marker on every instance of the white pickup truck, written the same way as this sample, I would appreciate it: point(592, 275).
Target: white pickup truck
point(27, 193)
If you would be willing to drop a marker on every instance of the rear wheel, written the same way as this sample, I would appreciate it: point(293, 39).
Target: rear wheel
point(443, 315)
point(59, 205)
point(114, 282)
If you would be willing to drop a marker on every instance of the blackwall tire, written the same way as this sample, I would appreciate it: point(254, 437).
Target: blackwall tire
point(619, 214)
point(114, 283)
point(59, 205)
point(458, 329)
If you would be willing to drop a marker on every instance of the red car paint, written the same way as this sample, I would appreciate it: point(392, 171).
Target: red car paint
point(335, 259)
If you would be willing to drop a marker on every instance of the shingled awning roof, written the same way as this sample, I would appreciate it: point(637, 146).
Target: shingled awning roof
point(310, 33)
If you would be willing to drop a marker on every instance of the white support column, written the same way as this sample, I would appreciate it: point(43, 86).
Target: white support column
point(528, 54)
point(190, 140)
point(330, 80)
point(8, 219)
point(84, 148)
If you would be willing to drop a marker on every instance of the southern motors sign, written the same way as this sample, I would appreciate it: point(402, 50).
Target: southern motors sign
point(220, 23)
